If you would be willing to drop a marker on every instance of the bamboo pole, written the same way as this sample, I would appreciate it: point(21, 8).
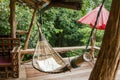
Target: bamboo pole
point(12, 19)
point(30, 29)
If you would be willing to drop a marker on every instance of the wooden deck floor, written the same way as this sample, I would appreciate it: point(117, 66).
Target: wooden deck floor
point(81, 73)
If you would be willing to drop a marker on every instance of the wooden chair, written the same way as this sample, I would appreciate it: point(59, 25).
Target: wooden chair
point(9, 57)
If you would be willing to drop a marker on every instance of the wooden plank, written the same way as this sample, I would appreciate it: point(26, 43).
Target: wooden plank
point(69, 5)
point(78, 72)
point(81, 73)
point(31, 72)
point(71, 0)
point(22, 73)
point(34, 3)
point(47, 1)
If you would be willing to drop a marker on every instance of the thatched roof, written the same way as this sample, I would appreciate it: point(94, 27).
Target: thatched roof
point(71, 4)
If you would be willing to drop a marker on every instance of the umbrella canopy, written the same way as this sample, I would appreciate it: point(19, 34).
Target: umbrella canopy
point(90, 18)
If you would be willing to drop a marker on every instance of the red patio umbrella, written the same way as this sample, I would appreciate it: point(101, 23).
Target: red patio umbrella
point(90, 18)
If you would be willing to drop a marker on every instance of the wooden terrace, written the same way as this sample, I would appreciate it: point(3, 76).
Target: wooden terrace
point(27, 72)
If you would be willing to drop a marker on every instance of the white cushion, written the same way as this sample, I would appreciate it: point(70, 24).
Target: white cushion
point(48, 64)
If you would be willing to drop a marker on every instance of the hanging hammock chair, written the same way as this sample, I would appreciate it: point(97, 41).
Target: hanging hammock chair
point(46, 59)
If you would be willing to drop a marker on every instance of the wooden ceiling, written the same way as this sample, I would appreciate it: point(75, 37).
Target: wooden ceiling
point(70, 4)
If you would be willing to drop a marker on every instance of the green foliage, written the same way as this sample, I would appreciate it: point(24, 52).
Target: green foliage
point(23, 16)
point(99, 37)
point(4, 17)
point(74, 53)
point(61, 28)
point(59, 24)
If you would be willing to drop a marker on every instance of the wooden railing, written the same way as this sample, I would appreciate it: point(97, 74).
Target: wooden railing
point(59, 49)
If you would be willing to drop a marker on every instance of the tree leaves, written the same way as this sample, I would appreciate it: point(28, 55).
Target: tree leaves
point(59, 24)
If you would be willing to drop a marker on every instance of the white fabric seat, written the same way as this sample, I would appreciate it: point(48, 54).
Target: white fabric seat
point(48, 64)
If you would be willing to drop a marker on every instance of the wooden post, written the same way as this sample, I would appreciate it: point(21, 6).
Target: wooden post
point(30, 29)
point(108, 59)
point(92, 44)
point(12, 19)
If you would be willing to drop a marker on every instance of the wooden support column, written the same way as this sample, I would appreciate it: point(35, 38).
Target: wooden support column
point(92, 44)
point(108, 60)
point(30, 29)
point(12, 18)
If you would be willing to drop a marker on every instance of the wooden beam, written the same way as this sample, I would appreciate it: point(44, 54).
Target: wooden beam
point(69, 5)
point(29, 2)
point(21, 32)
point(39, 5)
point(47, 1)
point(34, 3)
point(12, 19)
point(30, 29)
point(58, 49)
point(71, 0)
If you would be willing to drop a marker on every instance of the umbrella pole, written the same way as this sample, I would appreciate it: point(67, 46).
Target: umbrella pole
point(93, 41)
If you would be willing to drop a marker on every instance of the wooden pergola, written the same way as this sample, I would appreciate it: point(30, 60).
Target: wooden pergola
point(36, 4)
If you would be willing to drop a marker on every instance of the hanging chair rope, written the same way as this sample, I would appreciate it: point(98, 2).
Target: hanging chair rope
point(95, 24)
point(45, 58)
